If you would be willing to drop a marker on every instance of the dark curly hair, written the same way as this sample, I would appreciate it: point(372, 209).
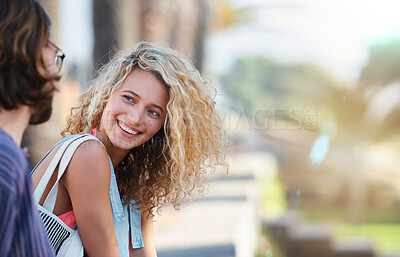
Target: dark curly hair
point(24, 79)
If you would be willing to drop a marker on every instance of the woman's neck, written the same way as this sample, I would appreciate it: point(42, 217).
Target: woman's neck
point(116, 154)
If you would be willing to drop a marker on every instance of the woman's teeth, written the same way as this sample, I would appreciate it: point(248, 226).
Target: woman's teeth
point(127, 130)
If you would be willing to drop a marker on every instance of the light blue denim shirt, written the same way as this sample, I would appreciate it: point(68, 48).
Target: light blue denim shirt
point(126, 218)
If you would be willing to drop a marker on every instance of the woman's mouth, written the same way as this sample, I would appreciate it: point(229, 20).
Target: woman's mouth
point(126, 129)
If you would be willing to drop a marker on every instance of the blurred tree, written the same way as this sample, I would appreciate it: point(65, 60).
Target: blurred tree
point(384, 64)
point(257, 83)
point(151, 21)
point(176, 23)
point(52, 8)
point(380, 84)
point(200, 32)
point(145, 16)
point(225, 16)
point(104, 30)
point(260, 83)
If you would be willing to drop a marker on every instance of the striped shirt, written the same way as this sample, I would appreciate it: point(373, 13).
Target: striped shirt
point(21, 230)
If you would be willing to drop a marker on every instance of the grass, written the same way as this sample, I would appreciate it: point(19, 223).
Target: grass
point(273, 205)
point(340, 214)
point(380, 226)
point(386, 236)
point(268, 247)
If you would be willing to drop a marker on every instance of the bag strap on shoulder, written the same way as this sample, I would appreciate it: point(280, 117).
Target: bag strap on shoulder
point(62, 157)
point(37, 194)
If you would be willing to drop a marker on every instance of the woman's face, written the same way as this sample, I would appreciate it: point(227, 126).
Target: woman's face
point(135, 112)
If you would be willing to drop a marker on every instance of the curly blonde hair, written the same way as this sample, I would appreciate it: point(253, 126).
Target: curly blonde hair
point(167, 168)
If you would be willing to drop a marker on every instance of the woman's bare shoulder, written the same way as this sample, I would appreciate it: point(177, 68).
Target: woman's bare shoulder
point(91, 148)
point(90, 157)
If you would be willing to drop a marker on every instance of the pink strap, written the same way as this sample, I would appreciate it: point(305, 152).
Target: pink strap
point(94, 132)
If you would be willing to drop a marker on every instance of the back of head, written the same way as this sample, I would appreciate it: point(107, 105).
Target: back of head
point(24, 79)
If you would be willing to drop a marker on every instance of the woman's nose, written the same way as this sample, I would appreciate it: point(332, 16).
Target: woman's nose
point(136, 116)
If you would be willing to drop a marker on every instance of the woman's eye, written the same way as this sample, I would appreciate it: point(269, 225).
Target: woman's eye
point(154, 113)
point(130, 99)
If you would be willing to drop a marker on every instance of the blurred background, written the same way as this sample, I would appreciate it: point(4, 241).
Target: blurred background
point(310, 95)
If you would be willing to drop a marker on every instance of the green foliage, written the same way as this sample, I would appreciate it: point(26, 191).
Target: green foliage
point(384, 64)
point(260, 83)
point(386, 236)
point(273, 200)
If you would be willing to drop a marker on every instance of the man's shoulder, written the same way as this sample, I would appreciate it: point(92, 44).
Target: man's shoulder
point(8, 148)
point(13, 165)
point(12, 158)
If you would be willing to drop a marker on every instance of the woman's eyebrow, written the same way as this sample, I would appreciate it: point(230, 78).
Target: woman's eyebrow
point(138, 96)
point(159, 107)
point(133, 93)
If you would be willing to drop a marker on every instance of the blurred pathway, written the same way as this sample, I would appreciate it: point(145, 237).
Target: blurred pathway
point(226, 220)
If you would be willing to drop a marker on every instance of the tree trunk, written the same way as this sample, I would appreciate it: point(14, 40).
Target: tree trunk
point(145, 12)
point(105, 32)
point(174, 33)
point(202, 22)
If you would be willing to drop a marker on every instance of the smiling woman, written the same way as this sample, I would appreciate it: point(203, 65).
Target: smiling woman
point(134, 114)
point(154, 117)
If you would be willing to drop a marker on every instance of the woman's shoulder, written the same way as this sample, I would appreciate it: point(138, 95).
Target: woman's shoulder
point(91, 149)
point(89, 166)
point(82, 143)
point(90, 154)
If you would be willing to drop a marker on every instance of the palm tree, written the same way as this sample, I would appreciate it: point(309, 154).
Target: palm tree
point(104, 30)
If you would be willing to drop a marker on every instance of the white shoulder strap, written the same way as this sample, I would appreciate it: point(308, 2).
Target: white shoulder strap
point(66, 158)
point(37, 194)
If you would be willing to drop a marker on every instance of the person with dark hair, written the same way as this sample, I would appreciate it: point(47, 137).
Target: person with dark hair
point(29, 66)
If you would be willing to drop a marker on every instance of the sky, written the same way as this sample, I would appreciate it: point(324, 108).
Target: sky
point(77, 33)
point(335, 34)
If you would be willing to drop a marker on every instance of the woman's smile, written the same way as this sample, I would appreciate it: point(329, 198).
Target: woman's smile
point(126, 129)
